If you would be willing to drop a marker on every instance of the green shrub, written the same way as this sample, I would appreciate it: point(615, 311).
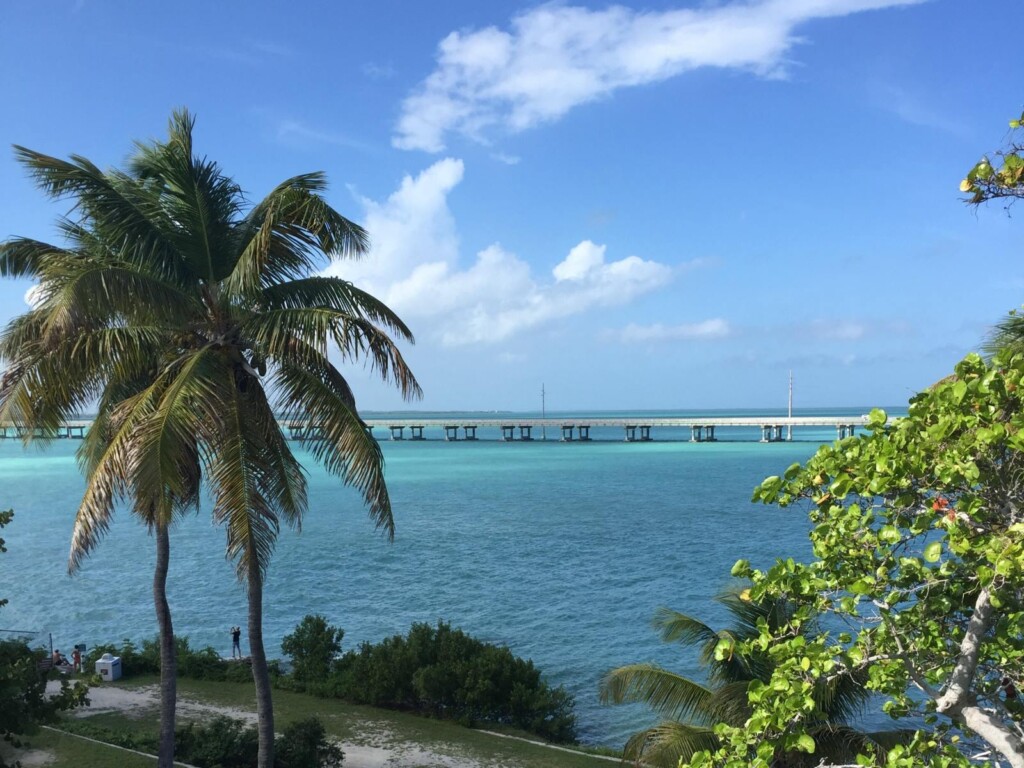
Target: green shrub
point(304, 744)
point(134, 661)
point(223, 742)
point(444, 672)
point(312, 648)
point(202, 664)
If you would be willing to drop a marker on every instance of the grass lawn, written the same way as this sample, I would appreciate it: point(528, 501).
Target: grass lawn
point(73, 752)
point(367, 732)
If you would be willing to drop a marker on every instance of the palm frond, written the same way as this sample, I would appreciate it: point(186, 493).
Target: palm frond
point(334, 293)
point(106, 455)
point(319, 395)
point(115, 204)
point(665, 692)
point(54, 379)
point(164, 445)
point(236, 467)
point(286, 480)
point(1008, 334)
point(274, 330)
point(676, 627)
point(668, 743)
point(25, 257)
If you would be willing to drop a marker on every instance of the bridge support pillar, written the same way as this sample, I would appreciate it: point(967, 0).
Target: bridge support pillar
point(469, 431)
point(525, 432)
point(417, 432)
point(369, 431)
point(508, 432)
point(766, 433)
point(709, 433)
point(567, 432)
point(645, 433)
point(451, 431)
point(696, 434)
point(630, 433)
point(397, 432)
point(584, 430)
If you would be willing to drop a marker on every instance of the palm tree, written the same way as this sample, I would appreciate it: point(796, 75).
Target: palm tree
point(692, 709)
point(213, 309)
point(32, 390)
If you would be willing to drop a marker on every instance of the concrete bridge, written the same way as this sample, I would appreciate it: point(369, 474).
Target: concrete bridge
point(634, 429)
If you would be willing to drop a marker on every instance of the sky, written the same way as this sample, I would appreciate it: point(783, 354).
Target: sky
point(660, 205)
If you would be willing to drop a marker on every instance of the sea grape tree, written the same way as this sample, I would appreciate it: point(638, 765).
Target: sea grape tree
point(1002, 179)
point(918, 569)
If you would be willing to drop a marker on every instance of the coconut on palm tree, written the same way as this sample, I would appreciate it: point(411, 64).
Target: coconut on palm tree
point(691, 709)
point(199, 324)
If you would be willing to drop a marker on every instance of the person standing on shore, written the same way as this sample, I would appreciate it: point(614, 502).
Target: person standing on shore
point(236, 646)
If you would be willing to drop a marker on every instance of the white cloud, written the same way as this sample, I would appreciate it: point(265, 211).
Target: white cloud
point(837, 330)
point(501, 157)
point(414, 267)
point(715, 328)
point(840, 329)
point(34, 296)
point(555, 57)
point(295, 132)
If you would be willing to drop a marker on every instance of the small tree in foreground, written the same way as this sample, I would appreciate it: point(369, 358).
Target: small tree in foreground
point(24, 703)
point(918, 536)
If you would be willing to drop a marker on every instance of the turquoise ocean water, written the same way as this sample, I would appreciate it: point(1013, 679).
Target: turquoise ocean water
point(561, 551)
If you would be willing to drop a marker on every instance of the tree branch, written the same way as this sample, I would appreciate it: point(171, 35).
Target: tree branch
point(959, 700)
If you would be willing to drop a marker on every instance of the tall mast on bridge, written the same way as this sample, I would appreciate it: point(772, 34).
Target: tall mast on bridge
point(543, 413)
point(789, 429)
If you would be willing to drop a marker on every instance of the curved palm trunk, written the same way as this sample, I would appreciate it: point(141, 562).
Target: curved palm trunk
point(168, 656)
point(260, 674)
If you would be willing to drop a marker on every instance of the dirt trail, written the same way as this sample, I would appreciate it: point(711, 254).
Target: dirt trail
point(390, 753)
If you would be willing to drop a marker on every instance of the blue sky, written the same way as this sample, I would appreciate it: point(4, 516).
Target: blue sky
point(661, 205)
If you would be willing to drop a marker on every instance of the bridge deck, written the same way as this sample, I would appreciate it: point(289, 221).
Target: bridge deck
point(636, 428)
point(600, 421)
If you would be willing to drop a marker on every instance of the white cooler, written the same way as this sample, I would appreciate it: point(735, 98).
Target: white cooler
point(108, 667)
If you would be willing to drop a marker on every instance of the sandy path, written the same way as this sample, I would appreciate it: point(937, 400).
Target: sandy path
point(388, 753)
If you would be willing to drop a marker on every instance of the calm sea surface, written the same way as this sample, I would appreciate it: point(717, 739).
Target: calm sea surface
point(561, 551)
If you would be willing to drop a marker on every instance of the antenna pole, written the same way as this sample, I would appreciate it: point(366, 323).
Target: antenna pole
point(543, 414)
point(789, 429)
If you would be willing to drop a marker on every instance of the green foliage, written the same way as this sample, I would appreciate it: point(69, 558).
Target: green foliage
point(918, 539)
point(1002, 180)
point(24, 703)
point(304, 744)
point(134, 660)
point(444, 672)
point(312, 648)
point(733, 666)
point(201, 664)
point(223, 742)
